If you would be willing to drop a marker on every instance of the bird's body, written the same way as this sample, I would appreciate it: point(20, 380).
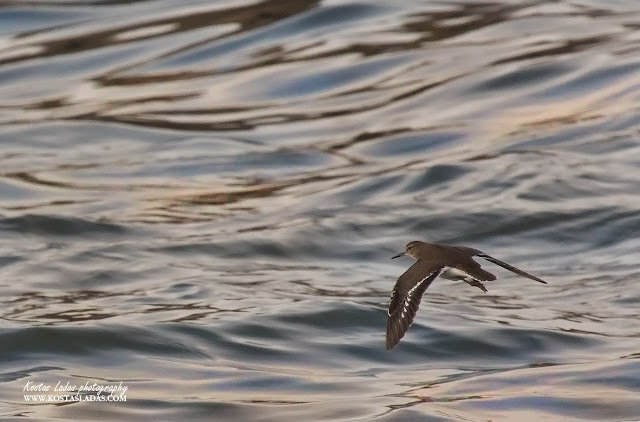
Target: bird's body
point(431, 259)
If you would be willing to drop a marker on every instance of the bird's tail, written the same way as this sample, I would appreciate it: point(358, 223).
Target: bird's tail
point(511, 268)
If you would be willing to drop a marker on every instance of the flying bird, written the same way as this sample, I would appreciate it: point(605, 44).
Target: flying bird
point(431, 259)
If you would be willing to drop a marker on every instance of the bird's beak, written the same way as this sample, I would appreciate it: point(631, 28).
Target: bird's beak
point(397, 256)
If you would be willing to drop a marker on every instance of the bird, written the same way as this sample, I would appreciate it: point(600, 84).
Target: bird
point(431, 259)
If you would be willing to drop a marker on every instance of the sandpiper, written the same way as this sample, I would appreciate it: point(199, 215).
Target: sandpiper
point(431, 259)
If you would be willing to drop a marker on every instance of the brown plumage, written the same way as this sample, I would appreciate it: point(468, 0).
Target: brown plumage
point(431, 259)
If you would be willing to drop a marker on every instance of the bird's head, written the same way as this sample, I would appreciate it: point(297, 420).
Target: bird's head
point(410, 250)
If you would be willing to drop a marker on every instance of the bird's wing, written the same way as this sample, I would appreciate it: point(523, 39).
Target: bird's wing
point(475, 252)
point(469, 266)
point(406, 297)
point(509, 267)
point(478, 273)
point(469, 252)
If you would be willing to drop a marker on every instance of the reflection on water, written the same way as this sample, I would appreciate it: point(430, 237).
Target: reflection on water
point(200, 199)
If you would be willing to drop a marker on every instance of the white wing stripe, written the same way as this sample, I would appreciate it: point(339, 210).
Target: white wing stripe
point(409, 298)
point(393, 294)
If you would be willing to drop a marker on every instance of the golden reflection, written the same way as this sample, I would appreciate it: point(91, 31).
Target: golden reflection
point(182, 107)
point(246, 17)
point(27, 306)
